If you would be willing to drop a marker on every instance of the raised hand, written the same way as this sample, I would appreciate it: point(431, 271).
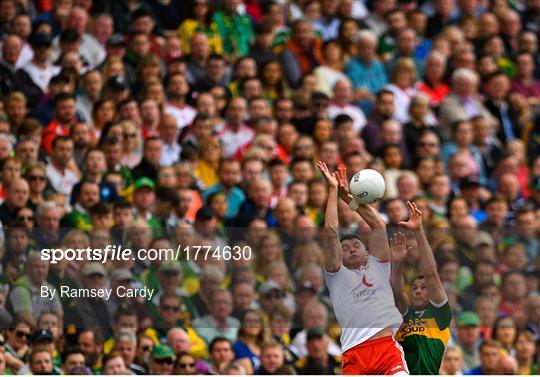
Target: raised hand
point(330, 178)
point(415, 218)
point(343, 187)
point(398, 248)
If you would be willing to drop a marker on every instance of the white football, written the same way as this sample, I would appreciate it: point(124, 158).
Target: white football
point(367, 186)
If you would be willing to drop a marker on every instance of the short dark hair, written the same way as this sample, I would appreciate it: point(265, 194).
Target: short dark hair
point(216, 340)
point(100, 209)
point(168, 195)
point(60, 97)
point(59, 139)
point(71, 351)
point(342, 119)
point(350, 236)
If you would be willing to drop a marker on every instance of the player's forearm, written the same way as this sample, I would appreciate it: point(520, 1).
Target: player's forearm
point(428, 267)
point(331, 219)
point(397, 282)
point(371, 216)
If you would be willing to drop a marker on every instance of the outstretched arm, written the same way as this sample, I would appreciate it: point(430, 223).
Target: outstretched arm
point(398, 253)
point(428, 267)
point(378, 240)
point(332, 254)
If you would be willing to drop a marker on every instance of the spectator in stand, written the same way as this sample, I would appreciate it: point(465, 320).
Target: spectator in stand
point(200, 21)
point(302, 54)
point(234, 28)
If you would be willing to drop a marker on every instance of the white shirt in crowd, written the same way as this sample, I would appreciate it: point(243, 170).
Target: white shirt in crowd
point(41, 77)
point(359, 119)
point(184, 116)
point(61, 182)
point(232, 141)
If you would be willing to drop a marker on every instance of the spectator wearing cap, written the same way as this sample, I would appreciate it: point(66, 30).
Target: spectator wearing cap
point(318, 360)
point(39, 68)
point(302, 53)
point(219, 322)
point(161, 360)
point(25, 298)
point(144, 198)
point(468, 338)
point(79, 217)
point(43, 339)
point(91, 311)
point(115, 47)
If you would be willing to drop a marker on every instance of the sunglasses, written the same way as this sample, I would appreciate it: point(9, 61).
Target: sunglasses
point(22, 334)
point(163, 361)
point(25, 218)
point(36, 178)
point(190, 365)
point(147, 348)
point(133, 136)
point(169, 308)
point(428, 144)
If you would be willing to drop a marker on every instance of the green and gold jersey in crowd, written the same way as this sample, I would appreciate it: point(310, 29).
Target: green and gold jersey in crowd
point(424, 335)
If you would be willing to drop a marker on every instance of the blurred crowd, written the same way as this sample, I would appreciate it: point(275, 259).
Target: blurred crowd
point(197, 123)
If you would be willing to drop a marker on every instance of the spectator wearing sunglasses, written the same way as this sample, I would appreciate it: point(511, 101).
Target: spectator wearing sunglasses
point(37, 183)
point(16, 347)
point(185, 364)
point(161, 360)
